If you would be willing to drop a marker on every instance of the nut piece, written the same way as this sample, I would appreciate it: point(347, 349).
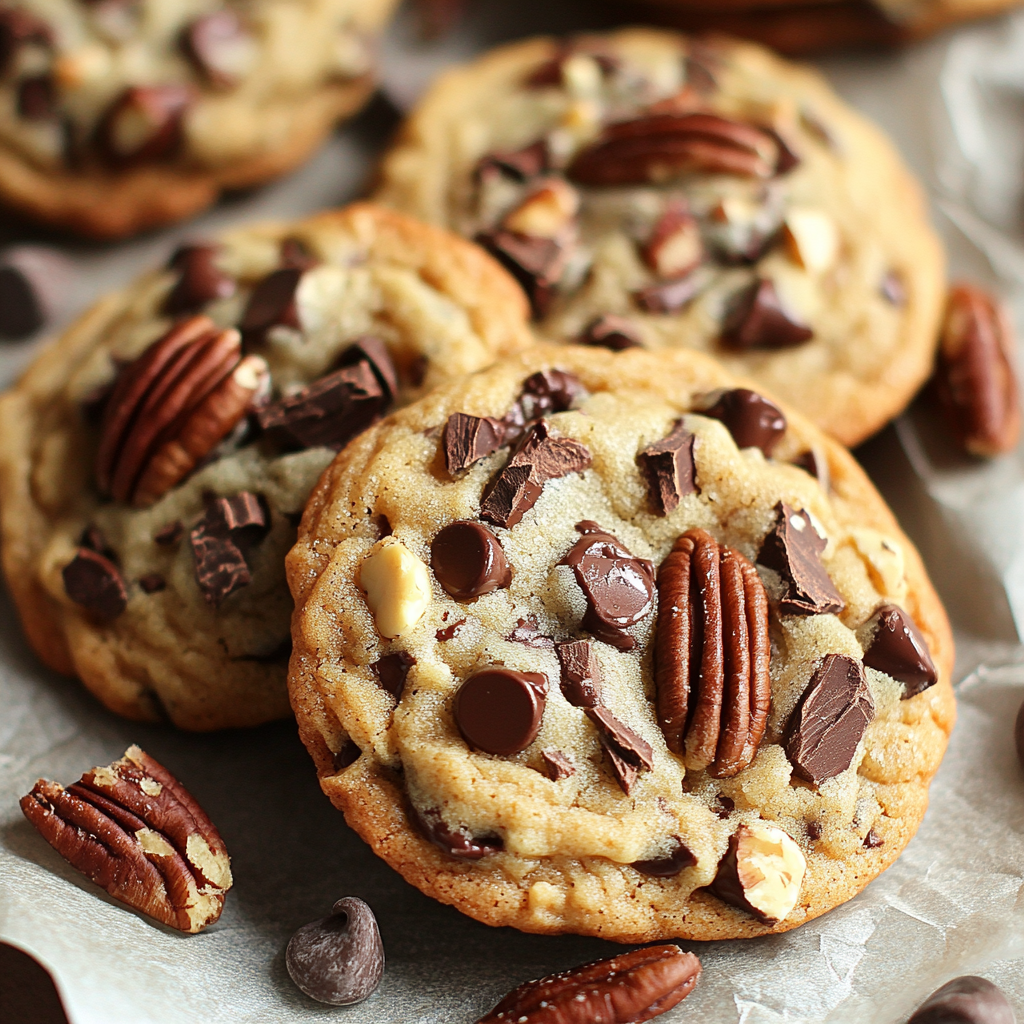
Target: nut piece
point(546, 212)
point(133, 829)
point(674, 247)
point(812, 240)
point(397, 587)
point(966, 1000)
point(712, 654)
point(761, 872)
point(974, 375)
point(624, 989)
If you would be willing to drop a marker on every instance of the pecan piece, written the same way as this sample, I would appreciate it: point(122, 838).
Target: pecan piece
point(974, 375)
point(624, 989)
point(133, 829)
point(712, 653)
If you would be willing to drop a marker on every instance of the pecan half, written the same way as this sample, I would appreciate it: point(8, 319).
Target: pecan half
point(170, 408)
point(624, 989)
point(133, 829)
point(712, 653)
point(974, 375)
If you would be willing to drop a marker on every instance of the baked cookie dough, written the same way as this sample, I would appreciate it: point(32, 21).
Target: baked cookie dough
point(574, 654)
point(155, 461)
point(120, 115)
point(711, 195)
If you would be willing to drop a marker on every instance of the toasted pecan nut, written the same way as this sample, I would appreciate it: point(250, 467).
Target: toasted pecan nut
point(974, 375)
point(133, 829)
point(625, 989)
point(712, 653)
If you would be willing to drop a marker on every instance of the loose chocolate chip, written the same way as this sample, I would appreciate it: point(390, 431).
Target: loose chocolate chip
point(619, 588)
point(668, 867)
point(898, 649)
point(94, 582)
point(829, 720)
point(1018, 735)
point(37, 98)
point(376, 353)
point(759, 320)
point(220, 566)
point(521, 165)
point(348, 754)
point(271, 304)
point(581, 673)
point(628, 752)
point(672, 295)
point(753, 421)
point(200, 280)
point(220, 47)
point(152, 583)
point(392, 671)
point(449, 632)
point(815, 462)
point(499, 711)
point(536, 263)
point(456, 842)
point(670, 470)
point(528, 632)
point(169, 534)
point(793, 549)
point(873, 840)
point(36, 283)
point(558, 765)
point(612, 332)
point(966, 1000)
point(468, 561)
point(339, 959)
point(893, 290)
point(468, 439)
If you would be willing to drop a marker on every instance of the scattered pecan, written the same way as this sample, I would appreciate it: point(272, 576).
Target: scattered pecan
point(974, 375)
point(133, 829)
point(624, 989)
point(712, 655)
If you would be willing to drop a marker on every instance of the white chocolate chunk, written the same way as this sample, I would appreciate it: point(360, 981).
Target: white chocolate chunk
point(812, 240)
point(397, 587)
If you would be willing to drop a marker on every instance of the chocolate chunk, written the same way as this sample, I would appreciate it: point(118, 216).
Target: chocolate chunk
point(456, 842)
point(37, 98)
point(536, 263)
point(759, 320)
point(295, 254)
point(726, 805)
point(528, 632)
point(619, 588)
point(220, 47)
point(271, 304)
point(144, 124)
point(200, 280)
point(625, 771)
point(753, 421)
point(544, 392)
point(668, 867)
point(392, 670)
point(815, 462)
point(511, 496)
point(220, 566)
point(376, 353)
point(520, 165)
point(893, 290)
point(245, 516)
point(499, 711)
point(467, 439)
point(898, 649)
point(612, 332)
point(449, 632)
point(966, 1000)
point(94, 582)
point(468, 561)
point(670, 469)
point(829, 720)
point(581, 673)
point(628, 752)
point(169, 534)
point(872, 841)
point(339, 959)
point(152, 583)
point(672, 295)
point(793, 549)
point(36, 286)
point(558, 765)
point(329, 412)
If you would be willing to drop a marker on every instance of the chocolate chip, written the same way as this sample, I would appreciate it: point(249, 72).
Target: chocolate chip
point(668, 867)
point(672, 295)
point(169, 534)
point(37, 98)
point(339, 959)
point(200, 280)
point(898, 649)
point(152, 583)
point(36, 284)
point(628, 752)
point(376, 353)
point(619, 588)
point(829, 720)
point(528, 632)
point(536, 263)
point(468, 561)
point(144, 124)
point(271, 304)
point(449, 632)
point(558, 765)
point(499, 710)
point(793, 549)
point(456, 842)
point(521, 165)
point(753, 421)
point(94, 582)
point(468, 439)
point(726, 805)
point(815, 462)
point(612, 332)
point(219, 46)
point(670, 469)
point(392, 671)
point(759, 320)
point(893, 290)
point(581, 673)
point(872, 841)
point(966, 1000)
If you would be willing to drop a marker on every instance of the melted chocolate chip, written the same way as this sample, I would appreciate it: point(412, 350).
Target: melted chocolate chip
point(499, 710)
point(468, 439)
point(612, 332)
point(581, 673)
point(271, 304)
point(753, 421)
point(456, 842)
point(449, 632)
point(898, 649)
point(670, 866)
point(558, 765)
point(392, 671)
point(200, 280)
point(759, 320)
point(468, 561)
point(528, 632)
point(94, 582)
point(152, 583)
point(966, 1000)
point(536, 263)
point(670, 469)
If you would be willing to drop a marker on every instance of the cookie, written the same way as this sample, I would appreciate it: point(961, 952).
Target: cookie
point(633, 630)
point(121, 115)
point(155, 461)
point(707, 195)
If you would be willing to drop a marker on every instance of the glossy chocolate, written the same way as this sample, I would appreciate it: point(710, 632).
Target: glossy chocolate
point(753, 421)
point(468, 561)
point(499, 711)
point(898, 649)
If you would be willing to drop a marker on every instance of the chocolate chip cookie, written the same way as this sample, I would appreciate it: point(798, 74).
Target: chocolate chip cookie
point(613, 643)
point(649, 189)
point(120, 115)
point(155, 461)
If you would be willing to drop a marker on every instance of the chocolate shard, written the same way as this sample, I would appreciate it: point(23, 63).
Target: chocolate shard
point(94, 582)
point(680, 858)
point(511, 496)
point(376, 353)
point(829, 720)
point(670, 469)
point(392, 671)
point(612, 332)
point(628, 752)
point(200, 280)
point(271, 304)
point(759, 320)
point(528, 632)
point(872, 841)
point(456, 842)
point(536, 263)
point(753, 421)
point(898, 649)
point(793, 549)
point(581, 673)
point(672, 295)
point(558, 765)
point(625, 771)
point(468, 439)
point(220, 566)
point(520, 165)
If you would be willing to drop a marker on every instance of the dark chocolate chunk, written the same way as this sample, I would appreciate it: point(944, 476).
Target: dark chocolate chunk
point(449, 632)
point(893, 289)
point(759, 320)
point(36, 284)
point(549, 391)
point(169, 534)
point(520, 165)
point(558, 765)
point(829, 720)
point(499, 710)
point(392, 671)
point(245, 516)
point(815, 462)
point(668, 867)
point(612, 332)
point(753, 421)
point(220, 566)
point(625, 771)
point(630, 745)
point(511, 496)
point(467, 439)
point(670, 469)
point(814, 831)
point(152, 583)
point(271, 304)
point(528, 632)
point(672, 295)
point(219, 46)
point(536, 263)
point(873, 840)
point(966, 1000)
point(726, 805)
point(348, 754)
point(144, 124)
point(200, 280)
point(37, 98)
point(94, 582)
point(456, 842)
point(376, 353)
point(793, 549)
point(339, 959)
point(581, 673)
point(898, 649)
point(468, 560)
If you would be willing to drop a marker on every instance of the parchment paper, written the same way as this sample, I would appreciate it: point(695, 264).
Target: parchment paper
point(953, 904)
